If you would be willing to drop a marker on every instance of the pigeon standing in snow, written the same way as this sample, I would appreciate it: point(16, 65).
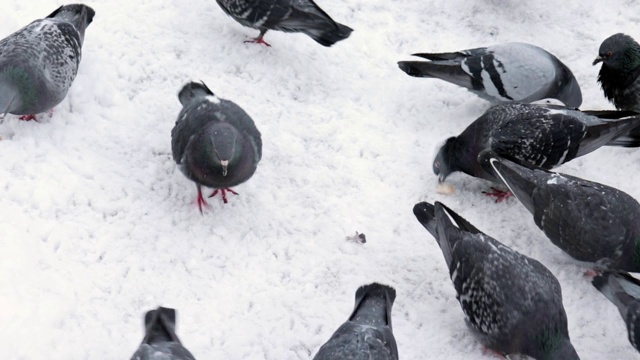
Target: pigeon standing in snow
point(286, 15)
point(39, 62)
point(623, 290)
point(160, 341)
point(511, 72)
point(536, 136)
point(589, 221)
point(367, 334)
point(620, 72)
point(512, 303)
point(214, 142)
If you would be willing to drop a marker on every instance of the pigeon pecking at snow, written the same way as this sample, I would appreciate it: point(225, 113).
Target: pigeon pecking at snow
point(537, 136)
point(589, 221)
point(160, 341)
point(303, 16)
point(623, 290)
point(214, 142)
point(367, 334)
point(512, 303)
point(620, 72)
point(511, 72)
point(39, 62)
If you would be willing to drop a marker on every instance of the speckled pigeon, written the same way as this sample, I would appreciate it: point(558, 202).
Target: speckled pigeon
point(214, 142)
point(589, 221)
point(160, 341)
point(620, 72)
point(511, 72)
point(623, 290)
point(303, 16)
point(511, 302)
point(537, 136)
point(39, 62)
point(367, 334)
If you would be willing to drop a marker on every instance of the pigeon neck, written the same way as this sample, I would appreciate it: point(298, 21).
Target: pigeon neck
point(371, 311)
point(632, 58)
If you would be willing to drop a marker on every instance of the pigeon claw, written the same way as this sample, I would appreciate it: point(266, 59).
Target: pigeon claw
point(223, 193)
point(28, 117)
point(201, 201)
point(490, 352)
point(500, 195)
point(258, 40)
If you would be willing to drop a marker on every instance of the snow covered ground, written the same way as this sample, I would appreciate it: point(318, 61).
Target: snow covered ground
point(97, 225)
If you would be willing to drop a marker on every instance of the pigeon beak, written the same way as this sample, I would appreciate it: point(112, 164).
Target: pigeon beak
point(597, 60)
point(225, 164)
point(441, 178)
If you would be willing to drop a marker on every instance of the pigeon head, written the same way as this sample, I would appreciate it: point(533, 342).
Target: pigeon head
point(445, 161)
point(619, 52)
point(79, 15)
point(225, 145)
point(193, 90)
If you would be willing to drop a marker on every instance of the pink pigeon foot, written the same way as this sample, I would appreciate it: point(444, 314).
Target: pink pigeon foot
point(28, 117)
point(489, 352)
point(201, 201)
point(223, 192)
point(591, 273)
point(500, 195)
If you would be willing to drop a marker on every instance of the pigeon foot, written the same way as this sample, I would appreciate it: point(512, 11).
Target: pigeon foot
point(223, 193)
point(258, 40)
point(201, 201)
point(500, 195)
point(28, 117)
point(489, 352)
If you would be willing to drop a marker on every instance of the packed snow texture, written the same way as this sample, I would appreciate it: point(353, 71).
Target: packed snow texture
point(98, 225)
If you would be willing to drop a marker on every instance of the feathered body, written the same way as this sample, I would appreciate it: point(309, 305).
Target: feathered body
point(367, 335)
point(512, 303)
point(39, 62)
point(160, 341)
point(505, 73)
point(303, 16)
point(589, 221)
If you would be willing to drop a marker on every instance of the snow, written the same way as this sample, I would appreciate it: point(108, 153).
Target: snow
point(99, 226)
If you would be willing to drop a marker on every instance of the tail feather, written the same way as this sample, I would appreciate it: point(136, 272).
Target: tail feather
point(160, 325)
point(457, 56)
point(620, 288)
point(367, 307)
point(449, 71)
point(520, 180)
point(330, 37)
point(618, 132)
point(627, 139)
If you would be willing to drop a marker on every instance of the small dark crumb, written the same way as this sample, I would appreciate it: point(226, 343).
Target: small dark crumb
point(358, 238)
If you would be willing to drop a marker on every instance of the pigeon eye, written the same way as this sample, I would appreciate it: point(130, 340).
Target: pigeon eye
point(609, 53)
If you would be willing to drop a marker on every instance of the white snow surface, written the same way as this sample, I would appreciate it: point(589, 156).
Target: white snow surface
point(97, 224)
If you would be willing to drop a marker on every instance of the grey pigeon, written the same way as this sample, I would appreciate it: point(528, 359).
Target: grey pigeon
point(589, 221)
point(511, 302)
point(536, 136)
point(620, 72)
point(511, 72)
point(303, 16)
point(623, 290)
point(39, 62)
point(367, 335)
point(214, 142)
point(160, 341)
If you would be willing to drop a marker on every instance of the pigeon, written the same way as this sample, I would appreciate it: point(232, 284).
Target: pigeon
point(39, 62)
point(367, 334)
point(160, 341)
point(303, 16)
point(512, 303)
point(623, 290)
point(620, 72)
point(589, 221)
point(537, 136)
point(505, 73)
point(214, 142)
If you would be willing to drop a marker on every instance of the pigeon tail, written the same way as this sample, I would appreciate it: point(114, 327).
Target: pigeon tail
point(330, 37)
point(373, 305)
point(160, 326)
point(618, 132)
point(193, 90)
point(520, 180)
point(619, 287)
point(449, 71)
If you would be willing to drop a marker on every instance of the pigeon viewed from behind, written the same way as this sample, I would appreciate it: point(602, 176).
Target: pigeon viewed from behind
point(512, 303)
point(303, 16)
point(214, 142)
point(536, 136)
point(160, 341)
point(589, 221)
point(620, 72)
point(505, 73)
point(623, 290)
point(39, 62)
point(368, 333)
